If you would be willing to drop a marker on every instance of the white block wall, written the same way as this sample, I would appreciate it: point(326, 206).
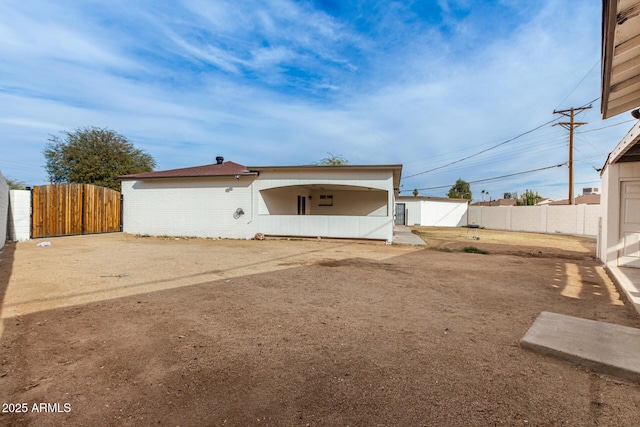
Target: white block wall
point(189, 207)
point(581, 220)
point(19, 215)
point(4, 210)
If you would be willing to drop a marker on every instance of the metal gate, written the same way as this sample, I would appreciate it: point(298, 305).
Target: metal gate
point(400, 214)
point(71, 209)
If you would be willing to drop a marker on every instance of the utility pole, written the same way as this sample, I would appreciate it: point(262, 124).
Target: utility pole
point(570, 126)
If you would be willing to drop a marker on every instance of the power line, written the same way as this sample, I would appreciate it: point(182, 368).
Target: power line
point(485, 150)
point(497, 145)
point(497, 177)
point(605, 127)
point(532, 141)
point(579, 83)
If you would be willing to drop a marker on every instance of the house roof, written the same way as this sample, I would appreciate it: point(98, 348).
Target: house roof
point(229, 168)
point(620, 56)
point(590, 199)
point(498, 202)
point(627, 150)
point(545, 201)
point(439, 199)
point(215, 169)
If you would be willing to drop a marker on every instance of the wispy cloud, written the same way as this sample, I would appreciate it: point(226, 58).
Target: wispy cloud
point(285, 82)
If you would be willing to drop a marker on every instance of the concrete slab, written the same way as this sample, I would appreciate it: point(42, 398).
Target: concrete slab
point(402, 235)
point(603, 347)
point(628, 279)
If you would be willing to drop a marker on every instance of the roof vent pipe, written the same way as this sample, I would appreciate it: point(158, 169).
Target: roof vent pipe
point(219, 160)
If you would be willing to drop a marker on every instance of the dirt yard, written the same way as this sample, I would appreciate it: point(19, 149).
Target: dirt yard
point(122, 330)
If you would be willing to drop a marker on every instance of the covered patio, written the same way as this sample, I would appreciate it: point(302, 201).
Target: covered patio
point(334, 202)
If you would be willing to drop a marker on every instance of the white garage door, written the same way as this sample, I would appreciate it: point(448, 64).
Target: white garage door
point(629, 255)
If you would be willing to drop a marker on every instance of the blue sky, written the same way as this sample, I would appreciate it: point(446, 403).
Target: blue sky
point(278, 82)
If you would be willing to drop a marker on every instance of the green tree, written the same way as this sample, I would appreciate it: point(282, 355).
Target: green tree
point(93, 155)
point(460, 190)
point(529, 198)
point(332, 160)
point(14, 184)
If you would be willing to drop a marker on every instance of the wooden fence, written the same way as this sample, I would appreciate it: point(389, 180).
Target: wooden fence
point(70, 209)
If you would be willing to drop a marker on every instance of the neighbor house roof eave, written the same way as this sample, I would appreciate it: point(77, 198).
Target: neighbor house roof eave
point(620, 57)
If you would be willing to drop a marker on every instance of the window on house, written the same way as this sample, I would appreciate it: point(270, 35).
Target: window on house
point(302, 205)
point(326, 200)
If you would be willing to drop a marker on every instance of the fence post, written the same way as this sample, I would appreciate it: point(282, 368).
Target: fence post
point(121, 211)
point(82, 209)
point(32, 211)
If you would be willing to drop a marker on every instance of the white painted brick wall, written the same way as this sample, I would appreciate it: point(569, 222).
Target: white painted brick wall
point(205, 207)
point(189, 207)
point(19, 215)
point(4, 210)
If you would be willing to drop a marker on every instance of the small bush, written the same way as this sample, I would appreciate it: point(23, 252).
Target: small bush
point(474, 250)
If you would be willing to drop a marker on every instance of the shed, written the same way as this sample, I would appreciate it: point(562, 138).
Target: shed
point(431, 211)
point(619, 242)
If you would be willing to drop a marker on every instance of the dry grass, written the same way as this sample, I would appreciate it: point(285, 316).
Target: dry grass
point(508, 242)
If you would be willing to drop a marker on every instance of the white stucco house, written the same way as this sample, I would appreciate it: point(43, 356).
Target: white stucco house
point(229, 200)
point(431, 211)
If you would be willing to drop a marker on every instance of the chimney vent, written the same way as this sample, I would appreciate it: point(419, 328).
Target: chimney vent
point(219, 160)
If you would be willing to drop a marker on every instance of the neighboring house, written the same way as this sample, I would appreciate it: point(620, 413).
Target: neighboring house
point(619, 243)
point(431, 211)
point(590, 199)
point(545, 201)
point(497, 202)
point(229, 200)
